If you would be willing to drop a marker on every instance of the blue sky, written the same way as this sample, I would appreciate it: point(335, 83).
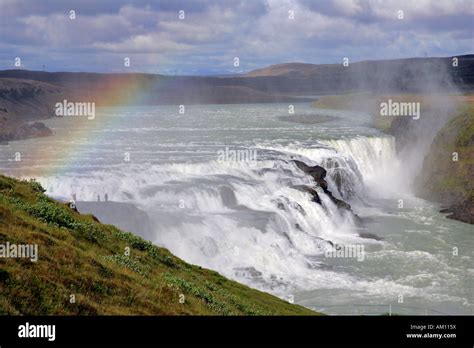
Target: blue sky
point(213, 33)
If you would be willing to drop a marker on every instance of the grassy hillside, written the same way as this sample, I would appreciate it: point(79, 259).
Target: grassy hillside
point(80, 256)
point(446, 180)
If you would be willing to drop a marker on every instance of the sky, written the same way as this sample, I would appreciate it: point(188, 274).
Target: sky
point(208, 35)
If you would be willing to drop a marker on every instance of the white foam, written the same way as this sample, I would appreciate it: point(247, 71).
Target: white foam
point(234, 215)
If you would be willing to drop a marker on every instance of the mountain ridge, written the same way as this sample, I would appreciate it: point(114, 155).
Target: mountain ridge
point(284, 83)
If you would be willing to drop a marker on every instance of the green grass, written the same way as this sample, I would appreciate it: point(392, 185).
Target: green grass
point(442, 178)
point(109, 271)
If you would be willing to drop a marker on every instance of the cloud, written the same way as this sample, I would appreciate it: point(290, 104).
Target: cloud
point(259, 32)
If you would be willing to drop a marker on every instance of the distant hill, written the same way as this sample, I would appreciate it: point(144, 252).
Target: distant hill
point(397, 75)
point(277, 82)
point(30, 95)
point(23, 101)
point(27, 100)
point(294, 70)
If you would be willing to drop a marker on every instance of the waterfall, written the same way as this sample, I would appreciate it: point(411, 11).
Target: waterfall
point(246, 221)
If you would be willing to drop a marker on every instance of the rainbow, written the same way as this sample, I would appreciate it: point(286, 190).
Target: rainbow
point(121, 91)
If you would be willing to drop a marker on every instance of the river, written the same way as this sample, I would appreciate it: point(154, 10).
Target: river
point(218, 187)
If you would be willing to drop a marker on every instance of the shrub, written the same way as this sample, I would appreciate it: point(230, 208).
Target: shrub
point(189, 287)
point(36, 186)
point(128, 262)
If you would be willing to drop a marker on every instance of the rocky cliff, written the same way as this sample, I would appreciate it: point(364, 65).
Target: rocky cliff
point(448, 169)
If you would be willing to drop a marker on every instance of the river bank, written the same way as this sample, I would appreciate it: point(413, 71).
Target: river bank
point(445, 171)
point(84, 267)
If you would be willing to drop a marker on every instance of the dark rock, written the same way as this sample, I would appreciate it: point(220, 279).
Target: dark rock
point(338, 202)
point(299, 228)
point(281, 206)
point(309, 190)
point(463, 211)
point(23, 131)
point(324, 184)
point(369, 236)
point(298, 207)
point(32, 130)
point(247, 272)
point(316, 198)
point(317, 172)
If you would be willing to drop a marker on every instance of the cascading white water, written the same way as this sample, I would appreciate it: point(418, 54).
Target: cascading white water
point(250, 221)
point(376, 158)
point(353, 163)
point(245, 220)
